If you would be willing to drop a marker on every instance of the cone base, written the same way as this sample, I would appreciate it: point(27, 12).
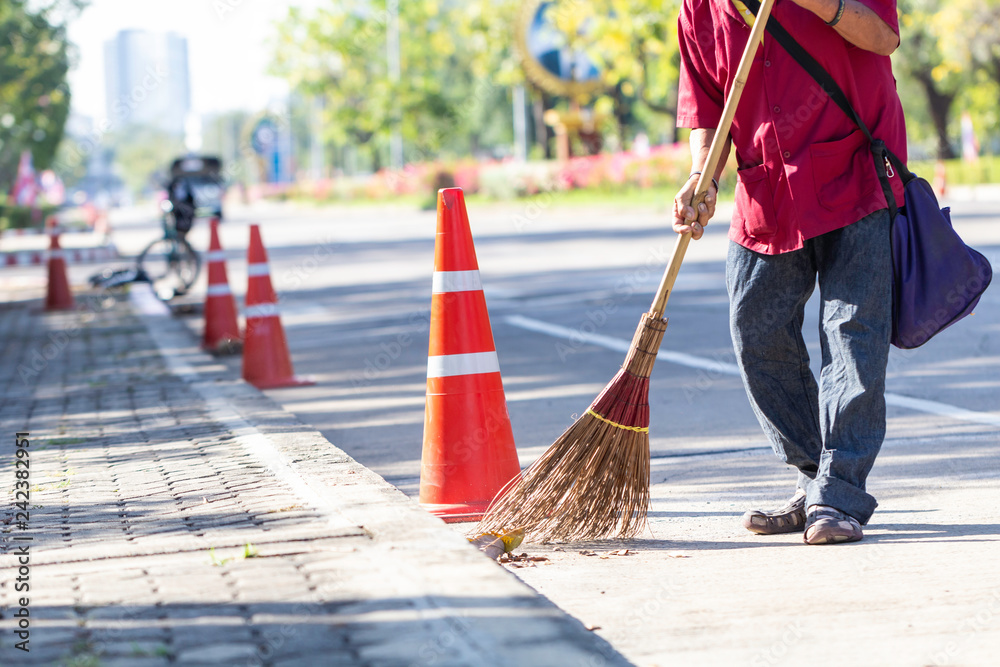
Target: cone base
point(458, 513)
point(279, 383)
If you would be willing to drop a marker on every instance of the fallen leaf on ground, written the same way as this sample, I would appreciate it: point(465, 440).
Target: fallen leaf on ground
point(586, 552)
point(522, 558)
point(495, 545)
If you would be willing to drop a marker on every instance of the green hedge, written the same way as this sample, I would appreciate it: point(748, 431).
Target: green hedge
point(959, 172)
point(20, 217)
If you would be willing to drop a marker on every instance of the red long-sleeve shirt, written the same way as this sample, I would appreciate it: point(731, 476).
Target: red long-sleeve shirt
point(804, 167)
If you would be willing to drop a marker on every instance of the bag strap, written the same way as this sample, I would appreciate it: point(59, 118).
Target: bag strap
point(880, 152)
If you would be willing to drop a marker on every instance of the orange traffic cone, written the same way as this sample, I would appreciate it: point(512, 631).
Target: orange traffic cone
point(58, 296)
point(468, 453)
point(222, 332)
point(266, 362)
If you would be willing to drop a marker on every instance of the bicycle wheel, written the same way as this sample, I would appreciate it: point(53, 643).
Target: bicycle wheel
point(170, 264)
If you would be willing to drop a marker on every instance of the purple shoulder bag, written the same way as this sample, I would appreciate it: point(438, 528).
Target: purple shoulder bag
point(937, 278)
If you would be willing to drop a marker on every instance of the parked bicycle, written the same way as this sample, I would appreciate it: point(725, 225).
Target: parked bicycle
point(169, 263)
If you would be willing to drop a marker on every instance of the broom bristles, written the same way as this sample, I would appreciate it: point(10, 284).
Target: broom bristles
point(594, 480)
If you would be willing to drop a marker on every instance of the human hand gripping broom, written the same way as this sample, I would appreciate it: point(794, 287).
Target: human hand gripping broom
point(593, 481)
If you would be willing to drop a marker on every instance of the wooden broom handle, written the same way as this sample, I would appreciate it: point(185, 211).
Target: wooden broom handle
point(714, 154)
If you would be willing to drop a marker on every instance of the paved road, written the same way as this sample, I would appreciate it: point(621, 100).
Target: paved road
point(922, 589)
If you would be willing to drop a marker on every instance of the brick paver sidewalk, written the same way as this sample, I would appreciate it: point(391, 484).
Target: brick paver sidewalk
point(177, 516)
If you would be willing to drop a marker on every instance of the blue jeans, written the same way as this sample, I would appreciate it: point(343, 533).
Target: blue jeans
point(831, 431)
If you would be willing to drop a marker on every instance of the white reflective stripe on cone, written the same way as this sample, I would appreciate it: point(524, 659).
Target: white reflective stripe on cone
point(216, 256)
point(456, 281)
point(262, 310)
point(257, 270)
point(58, 254)
point(217, 290)
point(448, 365)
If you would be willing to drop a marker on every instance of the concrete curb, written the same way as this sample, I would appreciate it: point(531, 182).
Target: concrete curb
point(419, 556)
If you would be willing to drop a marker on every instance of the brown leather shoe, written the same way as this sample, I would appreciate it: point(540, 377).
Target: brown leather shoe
point(789, 519)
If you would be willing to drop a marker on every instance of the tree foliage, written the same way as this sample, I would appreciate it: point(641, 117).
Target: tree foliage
point(920, 56)
point(635, 43)
point(949, 62)
point(449, 95)
point(458, 63)
point(35, 58)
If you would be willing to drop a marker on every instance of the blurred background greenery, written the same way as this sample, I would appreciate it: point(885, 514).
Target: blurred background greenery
point(390, 98)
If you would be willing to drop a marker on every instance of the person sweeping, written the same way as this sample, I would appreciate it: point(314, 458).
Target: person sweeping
point(809, 209)
point(593, 481)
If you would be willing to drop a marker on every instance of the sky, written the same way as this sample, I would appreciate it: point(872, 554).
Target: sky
point(227, 48)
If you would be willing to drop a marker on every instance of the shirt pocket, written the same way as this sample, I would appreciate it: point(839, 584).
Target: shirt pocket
point(842, 171)
point(755, 202)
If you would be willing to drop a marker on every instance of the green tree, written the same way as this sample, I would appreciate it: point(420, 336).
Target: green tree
point(447, 100)
point(34, 95)
point(970, 34)
point(970, 39)
point(635, 42)
point(921, 57)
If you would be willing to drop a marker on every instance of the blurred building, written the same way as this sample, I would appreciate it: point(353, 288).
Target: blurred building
point(147, 81)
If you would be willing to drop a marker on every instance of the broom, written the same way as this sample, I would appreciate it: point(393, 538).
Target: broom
point(594, 480)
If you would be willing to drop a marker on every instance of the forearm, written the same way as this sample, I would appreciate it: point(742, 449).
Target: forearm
point(859, 25)
point(701, 141)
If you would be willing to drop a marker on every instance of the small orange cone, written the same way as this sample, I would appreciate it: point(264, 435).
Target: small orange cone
point(940, 178)
point(468, 453)
point(58, 296)
point(222, 332)
point(266, 362)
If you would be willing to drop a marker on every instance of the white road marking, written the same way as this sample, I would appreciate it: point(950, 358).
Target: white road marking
point(692, 361)
point(943, 409)
point(618, 344)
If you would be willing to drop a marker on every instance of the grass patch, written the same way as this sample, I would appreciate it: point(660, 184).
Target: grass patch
point(83, 655)
point(662, 197)
point(66, 441)
point(216, 561)
point(249, 551)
